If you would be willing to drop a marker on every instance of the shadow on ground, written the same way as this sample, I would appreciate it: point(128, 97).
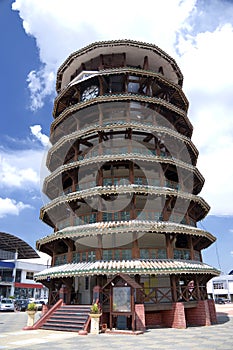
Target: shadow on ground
point(223, 318)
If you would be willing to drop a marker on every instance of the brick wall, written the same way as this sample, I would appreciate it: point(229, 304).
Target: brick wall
point(153, 319)
point(200, 315)
point(140, 317)
point(212, 310)
point(175, 317)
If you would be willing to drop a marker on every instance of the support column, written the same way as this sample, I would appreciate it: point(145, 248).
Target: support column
point(99, 250)
point(198, 288)
point(135, 249)
point(70, 246)
point(175, 317)
point(146, 63)
point(12, 292)
point(168, 245)
point(173, 286)
point(191, 247)
point(200, 315)
point(140, 317)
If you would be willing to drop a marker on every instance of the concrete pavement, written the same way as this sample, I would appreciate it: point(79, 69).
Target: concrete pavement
point(212, 337)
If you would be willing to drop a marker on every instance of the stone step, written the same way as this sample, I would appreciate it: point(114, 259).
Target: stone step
point(62, 328)
point(68, 318)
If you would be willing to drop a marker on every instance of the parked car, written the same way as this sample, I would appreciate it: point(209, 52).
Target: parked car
point(21, 304)
point(219, 301)
point(7, 304)
point(44, 300)
point(227, 300)
point(39, 304)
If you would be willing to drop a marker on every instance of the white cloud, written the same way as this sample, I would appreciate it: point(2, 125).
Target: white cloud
point(40, 84)
point(198, 34)
point(206, 64)
point(64, 28)
point(36, 131)
point(9, 206)
point(20, 169)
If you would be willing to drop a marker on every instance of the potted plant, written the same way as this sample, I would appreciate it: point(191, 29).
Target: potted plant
point(31, 311)
point(95, 309)
point(95, 313)
point(32, 307)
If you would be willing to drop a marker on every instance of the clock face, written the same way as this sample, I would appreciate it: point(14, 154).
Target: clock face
point(90, 92)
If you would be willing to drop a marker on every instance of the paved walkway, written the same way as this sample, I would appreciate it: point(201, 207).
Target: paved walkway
point(196, 338)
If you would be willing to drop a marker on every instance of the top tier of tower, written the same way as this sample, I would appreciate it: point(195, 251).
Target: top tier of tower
point(117, 54)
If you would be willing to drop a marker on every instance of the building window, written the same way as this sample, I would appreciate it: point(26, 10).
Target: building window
point(60, 260)
point(162, 254)
point(91, 256)
point(218, 285)
point(29, 275)
point(18, 276)
point(144, 254)
point(76, 257)
point(107, 255)
point(126, 254)
point(197, 255)
point(182, 254)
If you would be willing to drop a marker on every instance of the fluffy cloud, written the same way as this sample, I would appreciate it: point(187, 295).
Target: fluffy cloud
point(11, 207)
point(36, 131)
point(22, 173)
point(20, 169)
point(40, 84)
point(72, 27)
point(197, 33)
point(206, 64)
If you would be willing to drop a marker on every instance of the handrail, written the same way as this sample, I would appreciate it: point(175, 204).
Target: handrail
point(44, 317)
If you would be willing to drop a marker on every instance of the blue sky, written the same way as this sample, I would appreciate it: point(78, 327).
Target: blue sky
point(37, 36)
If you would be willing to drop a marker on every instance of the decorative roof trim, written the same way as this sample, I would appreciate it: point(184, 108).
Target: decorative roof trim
point(123, 42)
point(134, 125)
point(140, 226)
point(122, 189)
point(116, 98)
point(129, 70)
point(117, 157)
point(130, 267)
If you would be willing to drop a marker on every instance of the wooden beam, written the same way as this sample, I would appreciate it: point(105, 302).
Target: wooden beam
point(86, 143)
point(146, 63)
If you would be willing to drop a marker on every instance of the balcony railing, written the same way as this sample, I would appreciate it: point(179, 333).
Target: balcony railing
point(6, 279)
point(120, 150)
point(126, 254)
point(123, 216)
point(121, 181)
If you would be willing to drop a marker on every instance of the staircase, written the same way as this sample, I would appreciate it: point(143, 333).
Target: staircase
point(70, 318)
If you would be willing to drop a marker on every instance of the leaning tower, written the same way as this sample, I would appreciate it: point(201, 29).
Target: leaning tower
point(124, 189)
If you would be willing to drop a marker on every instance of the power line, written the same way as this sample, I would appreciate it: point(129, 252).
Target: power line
point(216, 248)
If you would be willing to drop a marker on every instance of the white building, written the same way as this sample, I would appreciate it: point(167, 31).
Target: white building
point(18, 264)
point(24, 285)
point(221, 287)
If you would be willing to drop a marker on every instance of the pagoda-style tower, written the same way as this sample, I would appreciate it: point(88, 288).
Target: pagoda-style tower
point(124, 188)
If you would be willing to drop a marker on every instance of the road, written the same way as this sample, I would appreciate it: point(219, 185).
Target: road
point(13, 321)
point(215, 337)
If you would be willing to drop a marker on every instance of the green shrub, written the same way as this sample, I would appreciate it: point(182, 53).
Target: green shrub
point(32, 307)
point(95, 309)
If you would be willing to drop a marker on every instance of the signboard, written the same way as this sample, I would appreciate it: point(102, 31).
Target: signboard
point(121, 299)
